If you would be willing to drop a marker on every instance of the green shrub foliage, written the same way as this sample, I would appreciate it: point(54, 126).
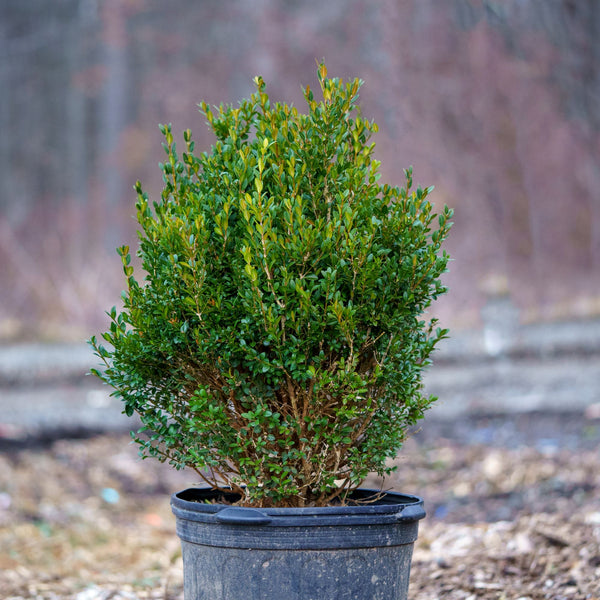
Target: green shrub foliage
point(276, 344)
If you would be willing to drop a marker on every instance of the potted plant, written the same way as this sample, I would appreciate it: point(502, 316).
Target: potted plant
point(276, 347)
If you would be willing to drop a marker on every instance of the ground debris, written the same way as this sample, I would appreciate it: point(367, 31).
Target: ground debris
point(85, 519)
point(493, 561)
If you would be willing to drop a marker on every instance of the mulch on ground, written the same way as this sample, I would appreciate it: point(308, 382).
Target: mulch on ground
point(513, 513)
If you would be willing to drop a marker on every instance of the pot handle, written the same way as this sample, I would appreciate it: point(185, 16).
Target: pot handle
point(237, 515)
point(412, 512)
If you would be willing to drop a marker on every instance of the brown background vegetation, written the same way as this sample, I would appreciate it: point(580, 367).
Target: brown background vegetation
point(496, 103)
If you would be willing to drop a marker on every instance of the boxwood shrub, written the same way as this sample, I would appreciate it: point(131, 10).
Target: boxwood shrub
point(276, 342)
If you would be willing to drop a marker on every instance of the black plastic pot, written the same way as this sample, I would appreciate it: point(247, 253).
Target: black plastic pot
point(356, 552)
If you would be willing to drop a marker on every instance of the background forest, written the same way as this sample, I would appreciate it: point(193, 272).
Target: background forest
point(496, 103)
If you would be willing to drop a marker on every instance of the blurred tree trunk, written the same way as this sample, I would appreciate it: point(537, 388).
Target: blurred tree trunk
point(113, 116)
point(593, 183)
point(76, 151)
point(7, 193)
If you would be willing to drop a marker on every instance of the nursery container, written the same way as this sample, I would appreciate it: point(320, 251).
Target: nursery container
point(358, 551)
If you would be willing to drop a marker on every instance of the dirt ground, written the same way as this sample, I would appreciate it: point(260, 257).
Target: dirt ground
point(513, 513)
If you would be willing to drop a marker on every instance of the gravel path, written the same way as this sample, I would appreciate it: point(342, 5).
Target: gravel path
point(555, 367)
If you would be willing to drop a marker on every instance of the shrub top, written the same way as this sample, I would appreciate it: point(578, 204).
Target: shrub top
point(276, 344)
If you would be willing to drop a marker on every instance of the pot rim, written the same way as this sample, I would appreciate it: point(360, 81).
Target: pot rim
point(199, 504)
